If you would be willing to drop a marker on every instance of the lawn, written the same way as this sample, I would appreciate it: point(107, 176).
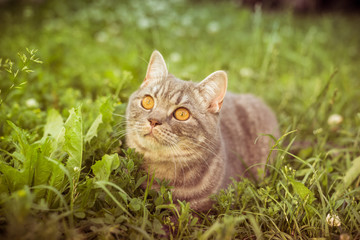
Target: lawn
point(68, 68)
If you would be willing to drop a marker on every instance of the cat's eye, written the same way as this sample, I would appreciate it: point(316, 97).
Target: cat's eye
point(182, 114)
point(147, 102)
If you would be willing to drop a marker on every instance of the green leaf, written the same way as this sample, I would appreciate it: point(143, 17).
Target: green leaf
point(33, 168)
point(130, 165)
point(159, 201)
point(20, 136)
point(140, 181)
point(23, 154)
point(54, 124)
point(74, 143)
point(158, 227)
point(87, 195)
point(56, 179)
point(92, 132)
point(3, 185)
point(103, 168)
point(352, 173)
point(80, 215)
point(302, 190)
point(11, 179)
point(41, 166)
point(107, 109)
point(135, 204)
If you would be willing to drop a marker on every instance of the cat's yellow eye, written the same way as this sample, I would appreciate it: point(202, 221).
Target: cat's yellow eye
point(147, 102)
point(182, 114)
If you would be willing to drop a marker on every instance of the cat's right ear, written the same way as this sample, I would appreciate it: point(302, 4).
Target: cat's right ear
point(157, 70)
point(212, 90)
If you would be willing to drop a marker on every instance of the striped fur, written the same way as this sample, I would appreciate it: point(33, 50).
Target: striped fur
point(198, 156)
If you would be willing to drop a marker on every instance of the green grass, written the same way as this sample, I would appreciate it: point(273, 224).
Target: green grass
point(61, 124)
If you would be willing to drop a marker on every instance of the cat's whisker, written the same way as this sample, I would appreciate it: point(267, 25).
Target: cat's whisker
point(176, 152)
point(182, 169)
point(119, 115)
point(125, 133)
point(118, 138)
point(174, 160)
point(185, 162)
point(123, 122)
point(208, 143)
point(201, 157)
point(206, 148)
point(120, 124)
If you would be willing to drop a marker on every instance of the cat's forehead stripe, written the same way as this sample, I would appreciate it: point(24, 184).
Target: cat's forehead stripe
point(174, 95)
point(179, 98)
point(155, 91)
point(183, 100)
point(164, 88)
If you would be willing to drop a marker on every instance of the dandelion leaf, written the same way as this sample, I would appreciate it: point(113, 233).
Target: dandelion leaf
point(103, 168)
point(93, 130)
point(56, 178)
point(300, 189)
point(74, 143)
point(54, 124)
point(42, 167)
point(11, 178)
point(107, 109)
point(352, 173)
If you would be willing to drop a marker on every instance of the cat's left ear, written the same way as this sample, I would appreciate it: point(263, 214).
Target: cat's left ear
point(213, 89)
point(157, 70)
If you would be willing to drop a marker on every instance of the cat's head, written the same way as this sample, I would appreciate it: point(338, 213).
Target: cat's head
point(169, 116)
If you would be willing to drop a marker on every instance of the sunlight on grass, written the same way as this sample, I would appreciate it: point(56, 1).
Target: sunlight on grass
point(62, 119)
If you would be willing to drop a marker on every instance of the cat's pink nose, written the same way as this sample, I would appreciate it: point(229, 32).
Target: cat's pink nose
point(154, 122)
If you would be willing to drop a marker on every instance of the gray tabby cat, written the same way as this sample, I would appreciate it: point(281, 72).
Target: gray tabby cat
point(196, 135)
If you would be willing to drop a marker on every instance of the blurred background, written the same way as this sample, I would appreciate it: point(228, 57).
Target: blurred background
point(283, 51)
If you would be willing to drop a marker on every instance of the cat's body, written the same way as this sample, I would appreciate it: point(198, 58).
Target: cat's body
point(200, 154)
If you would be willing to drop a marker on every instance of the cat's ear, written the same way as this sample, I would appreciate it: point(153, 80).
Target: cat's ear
point(157, 70)
point(213, 89)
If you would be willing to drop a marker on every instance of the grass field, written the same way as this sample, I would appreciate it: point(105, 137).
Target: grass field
point(61, 123)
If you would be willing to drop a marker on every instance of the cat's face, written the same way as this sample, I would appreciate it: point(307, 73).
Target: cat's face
point(168, 117)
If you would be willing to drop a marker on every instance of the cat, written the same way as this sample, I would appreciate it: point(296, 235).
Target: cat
point(195, 135)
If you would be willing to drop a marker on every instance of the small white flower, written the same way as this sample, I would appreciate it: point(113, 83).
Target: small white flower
point(333, 220)
point(335, 120)
point(32, 103)
point(143, 23)
point(175, 57)
point(187, 20)
point(76, 169)
point(213, 27)
point(246, 72)
point(101, 37)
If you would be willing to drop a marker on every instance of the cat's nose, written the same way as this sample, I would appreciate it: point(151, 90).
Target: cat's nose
point(154, 122)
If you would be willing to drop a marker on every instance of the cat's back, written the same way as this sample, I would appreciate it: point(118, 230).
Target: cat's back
point(243, 119)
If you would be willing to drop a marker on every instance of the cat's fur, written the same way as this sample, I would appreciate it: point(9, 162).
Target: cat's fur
point(198, 155)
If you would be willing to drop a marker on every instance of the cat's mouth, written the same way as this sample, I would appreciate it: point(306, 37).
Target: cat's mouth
point(151, 135)
point(155, 137)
